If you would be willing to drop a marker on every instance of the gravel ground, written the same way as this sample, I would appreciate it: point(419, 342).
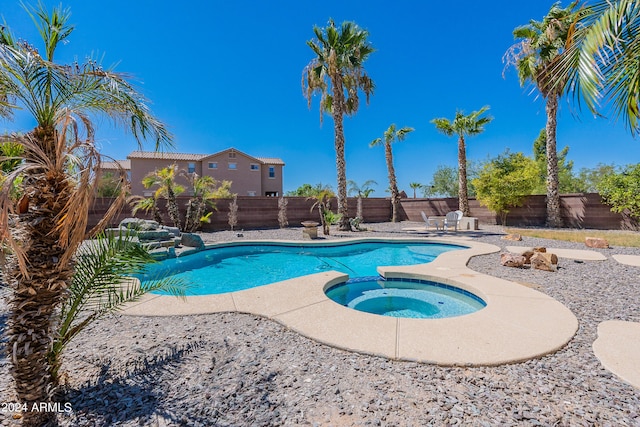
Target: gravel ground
point(235, 369)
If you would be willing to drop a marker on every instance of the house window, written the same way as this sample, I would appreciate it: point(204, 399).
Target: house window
point(272, 172)
point(251, 193)
point(213, 165)
point(271, 194)
point(255, 167)
point(192, 167)
point(232, 155)
point(233, 165)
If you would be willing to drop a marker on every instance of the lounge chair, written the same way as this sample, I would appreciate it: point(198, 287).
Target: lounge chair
point(430, 222)
point(452, 220)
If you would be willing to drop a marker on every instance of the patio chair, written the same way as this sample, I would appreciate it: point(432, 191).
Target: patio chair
point(430, 222)
point(452, 220)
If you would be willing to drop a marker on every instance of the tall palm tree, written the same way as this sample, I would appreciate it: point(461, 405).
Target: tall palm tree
point(59, 172)
point(535, 56)
point(337, 74)
point(602, 57)
point(391, 135)
point(165, 180)
point(463, 126)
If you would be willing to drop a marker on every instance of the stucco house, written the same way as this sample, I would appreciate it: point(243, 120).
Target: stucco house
point(249, 175)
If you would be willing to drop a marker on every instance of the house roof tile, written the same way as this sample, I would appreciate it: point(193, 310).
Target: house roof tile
point(124, 164)
point(165, 155)
point(196, 157)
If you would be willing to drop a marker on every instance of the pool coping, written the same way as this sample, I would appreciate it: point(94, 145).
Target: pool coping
point(518, 323)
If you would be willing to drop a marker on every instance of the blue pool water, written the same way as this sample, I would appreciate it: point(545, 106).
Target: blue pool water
point(233, 268)
point(421, 299)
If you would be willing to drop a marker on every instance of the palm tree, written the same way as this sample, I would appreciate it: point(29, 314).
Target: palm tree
point(204, 190)
point(602, 56)
point(102, 284)
point(337, 74)
point(322, 200)
point(165, 180)
point(463, 126)
point(391, 135)
point(415, 186)
point(59, 172)
point(535, 56)
point(360, 191)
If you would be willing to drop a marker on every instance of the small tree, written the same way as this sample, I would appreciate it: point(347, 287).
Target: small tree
point(360, 191)
point(415, 186)
point(322, 203)
point(445, 181)
point(505, 181)
point(164, 179)
point(102, 285)
point(204, 190)
point(233, 212)
point(622, 191)
point(590, 178)
point(282, 212)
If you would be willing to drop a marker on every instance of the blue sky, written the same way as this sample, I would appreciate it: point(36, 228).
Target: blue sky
point(228, 74)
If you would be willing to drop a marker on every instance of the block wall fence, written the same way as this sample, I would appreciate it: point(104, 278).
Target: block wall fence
point(578, 211)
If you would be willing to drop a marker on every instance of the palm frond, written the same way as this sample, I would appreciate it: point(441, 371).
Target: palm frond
point(102, 282)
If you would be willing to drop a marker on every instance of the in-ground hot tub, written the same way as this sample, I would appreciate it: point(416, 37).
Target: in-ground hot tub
point(414, 298)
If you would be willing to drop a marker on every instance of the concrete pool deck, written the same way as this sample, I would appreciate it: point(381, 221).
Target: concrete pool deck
point(517, 324)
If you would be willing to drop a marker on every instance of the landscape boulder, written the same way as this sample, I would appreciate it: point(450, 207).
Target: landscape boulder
point(513, 237)
point(544, 261)
point(529, 253)
point(192, 240)
point(139, 224)
point(596, 242)
point(512, 260)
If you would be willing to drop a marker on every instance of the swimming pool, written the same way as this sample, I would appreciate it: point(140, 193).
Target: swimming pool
point(236, 267)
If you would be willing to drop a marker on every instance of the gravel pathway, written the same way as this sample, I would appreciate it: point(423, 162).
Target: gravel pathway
point(234, 369)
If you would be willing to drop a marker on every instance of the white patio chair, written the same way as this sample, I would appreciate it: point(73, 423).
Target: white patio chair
point(452, 220)
point(430, 222)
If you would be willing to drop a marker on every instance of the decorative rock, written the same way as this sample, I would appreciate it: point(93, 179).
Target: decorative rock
point(527, 256)
point(153, 235)
point(139, 224)
point(544, 261)
point(512, 260)
point(596, 242)
point(514, 237)
point(117, 232)
point(192, 240)
point(173, 231)
point(540, 249)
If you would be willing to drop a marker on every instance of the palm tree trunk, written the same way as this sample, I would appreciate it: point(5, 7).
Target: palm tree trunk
point(463, 198)
point(37, 296)
point(172, 208)
point(156, 211)
point(554, 217)
point(341, 164)
point(393, 185)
